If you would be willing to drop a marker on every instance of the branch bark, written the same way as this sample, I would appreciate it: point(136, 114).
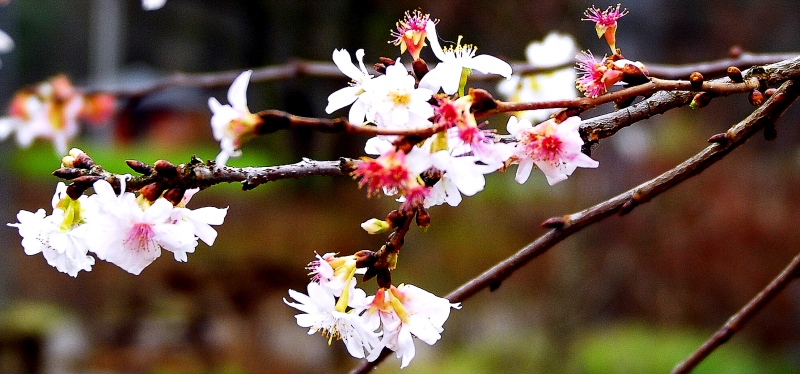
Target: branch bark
point(738, 320)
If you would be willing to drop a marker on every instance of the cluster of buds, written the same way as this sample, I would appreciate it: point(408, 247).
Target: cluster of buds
point(126, 229)
point(52, 110)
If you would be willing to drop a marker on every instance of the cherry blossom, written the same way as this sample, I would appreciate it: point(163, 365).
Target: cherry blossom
point(411, 33)
point(49, 111)
point(334, 272)
point(131, 235)
point(404, 312)
point(606, 23)
point(323, 313)
point(59, 237)
point(553, 147)
point(200, 219)
point(232, 124)
point(456, 63)
point(397, 102)
point(354, 93)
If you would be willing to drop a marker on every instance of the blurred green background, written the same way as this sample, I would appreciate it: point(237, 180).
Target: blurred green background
point(634, 294)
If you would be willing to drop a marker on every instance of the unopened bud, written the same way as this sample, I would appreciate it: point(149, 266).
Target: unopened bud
point(696, 79)
point(380, 68)
point(83, 161)
point(735, 75)
point(152, 191)
point(700, 100)
point(375, 226)
point(139, 167)
point(386, 61)
point(67, 172)
point(420, 68)
point(423, 218)
point(365, 258)
point(165, 168)
point(769, 92)
point(756, 97)
point(174, 195)
point(482, 100)
point(68, 162)
point(396, 219)
point(74, 191)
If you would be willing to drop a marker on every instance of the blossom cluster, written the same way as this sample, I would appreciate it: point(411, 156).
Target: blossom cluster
point(124, 229)
point(53, 110)
point(391, 318)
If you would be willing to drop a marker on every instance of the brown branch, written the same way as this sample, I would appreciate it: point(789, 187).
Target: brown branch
point(738, 320)
point(563, 227)
point(718, 87)
point(199, 174)
point(300, 68)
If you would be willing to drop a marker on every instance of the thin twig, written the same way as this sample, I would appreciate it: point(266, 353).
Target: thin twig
point(563, 227)
point(300, 68)
point(737, 321)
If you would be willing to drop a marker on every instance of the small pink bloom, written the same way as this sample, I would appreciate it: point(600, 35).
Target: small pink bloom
point(411, 33)
point(606, 23)
point(554, 148)
point(596, 77)
point(389, 171)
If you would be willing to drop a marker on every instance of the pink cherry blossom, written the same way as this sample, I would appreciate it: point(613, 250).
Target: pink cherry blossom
point(554, 148)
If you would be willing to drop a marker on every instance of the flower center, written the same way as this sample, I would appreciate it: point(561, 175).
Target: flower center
point(400, 97)
point(140, 238)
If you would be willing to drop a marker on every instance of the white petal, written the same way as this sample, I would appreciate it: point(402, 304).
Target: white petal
point(237, 94)
point(342, 60)
point(490, 64)
point(342, 98)
point(433, 39)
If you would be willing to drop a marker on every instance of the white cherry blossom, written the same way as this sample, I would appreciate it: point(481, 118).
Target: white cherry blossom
point(232, 124)
point(59, 237)
point(354, 93)
point(447, 73)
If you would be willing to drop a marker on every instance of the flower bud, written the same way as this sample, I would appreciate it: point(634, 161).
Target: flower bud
point(166, 169)
point(482, 100)
point(756, 97)
point(735, 75)
point(152, 191)
point(696, 79)
point(395, 218)
point(700, 100)
point(375, 226)
point(139, 167)
point(420, 68)
point(83, 161)
point(423, 217)
point(67, 172)
point(769, 92)
point(174, 195)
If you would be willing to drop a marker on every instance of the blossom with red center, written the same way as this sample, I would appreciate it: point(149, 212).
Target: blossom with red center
point(555, 148)
point(606, 23)
point(387, 172)
point(596, 77)
point(410, 34)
